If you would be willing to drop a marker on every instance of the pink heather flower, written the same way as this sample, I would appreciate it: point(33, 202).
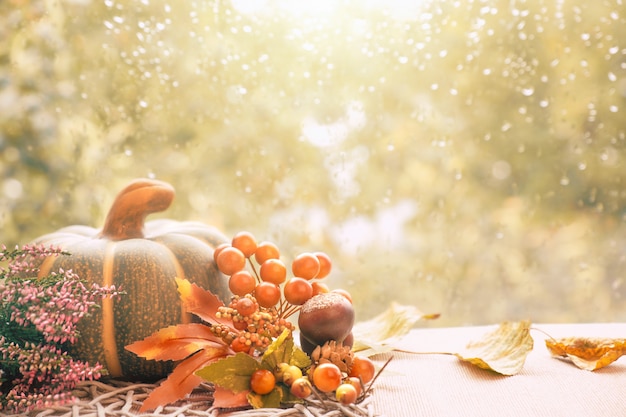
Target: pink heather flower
point(23, 260)
point(36, 371)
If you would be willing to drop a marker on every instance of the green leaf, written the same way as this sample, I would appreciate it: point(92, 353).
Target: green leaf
point(299, 358)
point(288, 397)
point(271, 400)
point(279, 351)
point(284, 350)
point(232, 373)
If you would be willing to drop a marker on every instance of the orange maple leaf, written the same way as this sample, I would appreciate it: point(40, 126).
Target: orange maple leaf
point(176, 342)
point(201, 302)
point(587, 353)
point(194, 344)
point(183, 379)
point(224, 398)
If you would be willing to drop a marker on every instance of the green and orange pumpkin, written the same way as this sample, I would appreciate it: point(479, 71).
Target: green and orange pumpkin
point(142, 259)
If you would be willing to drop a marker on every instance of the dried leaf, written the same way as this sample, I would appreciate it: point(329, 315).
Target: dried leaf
point(200, 302)
point(279, 351)
point(176, 342)
point(182, 380)
point(232, 373)
point(271, 400)
point(378, 334)
point(223, 398)
point(300, 359)
point(587, 353)
point(283, 349)
point(504, 350)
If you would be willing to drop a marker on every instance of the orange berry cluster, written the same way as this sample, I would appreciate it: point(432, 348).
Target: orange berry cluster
point(326, 378)
point(263, 295)
point(256, 326)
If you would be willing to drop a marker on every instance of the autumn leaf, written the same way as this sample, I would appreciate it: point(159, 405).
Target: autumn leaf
point(279, 350)
point(201, 302)
point(183, 379)
point(504, 350)
point(271, 400)
point(380, 333)
point(284, 350)
point(223, 398)
point(299, 358)
point(232, 373)
point(287, 397)
point(587, 353)
point(193, 344)
point(177, 342)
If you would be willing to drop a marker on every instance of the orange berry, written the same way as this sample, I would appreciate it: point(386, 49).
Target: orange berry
point(291, 374)
point(280, 370)
point(231, 260)
point(274, 271)
point(245, 306)
point(218, 249)
point(327, 377)
point(265, 251)
point(245, 242)
point(239, 346)
point(240, 325)
point(306, 265)
point(267, 294)
point(297, 291)
point(262, 381)
point(319, 288)
point(301, 388)
point(325, 264)
point(362, 368)
point(356, 383)
point(241, 283)
point(346, 394)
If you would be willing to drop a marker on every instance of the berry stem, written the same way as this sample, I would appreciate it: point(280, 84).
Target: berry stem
point(282, 308)
point(319, 397)
point(371, 384)
point(290, 311)
point(256, 274)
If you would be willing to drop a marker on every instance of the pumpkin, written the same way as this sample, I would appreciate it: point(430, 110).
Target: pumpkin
point(142, 259)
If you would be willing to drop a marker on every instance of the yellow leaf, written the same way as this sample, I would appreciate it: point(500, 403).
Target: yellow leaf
point(587, 353)
point(504, 350)
point(378, 334)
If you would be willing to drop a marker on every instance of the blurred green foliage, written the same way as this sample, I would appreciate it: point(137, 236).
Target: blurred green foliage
point(465, 157)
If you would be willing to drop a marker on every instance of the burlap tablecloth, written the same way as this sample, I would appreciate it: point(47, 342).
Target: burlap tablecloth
point(442, 385)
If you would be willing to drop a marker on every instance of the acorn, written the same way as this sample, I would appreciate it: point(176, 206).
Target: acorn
point(325, 317)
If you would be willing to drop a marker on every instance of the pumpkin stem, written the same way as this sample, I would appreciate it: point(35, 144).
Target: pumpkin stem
point(127, 215)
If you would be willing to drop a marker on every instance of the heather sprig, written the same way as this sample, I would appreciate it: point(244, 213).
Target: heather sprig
point(38, 322)
point(46, 376)
point(23, 260)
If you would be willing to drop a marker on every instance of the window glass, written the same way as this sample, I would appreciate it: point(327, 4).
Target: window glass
point(466, 157)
